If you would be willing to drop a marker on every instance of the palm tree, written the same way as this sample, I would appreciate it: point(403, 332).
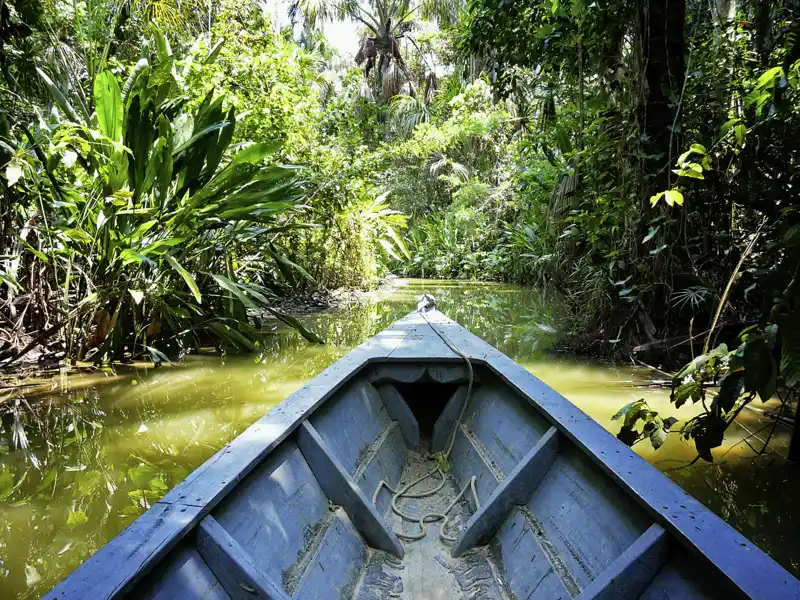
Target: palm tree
point(386, 22)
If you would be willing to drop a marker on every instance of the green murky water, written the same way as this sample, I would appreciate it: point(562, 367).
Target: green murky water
point(102, 447)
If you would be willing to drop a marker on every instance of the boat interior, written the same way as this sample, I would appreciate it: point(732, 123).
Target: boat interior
point(519, 510)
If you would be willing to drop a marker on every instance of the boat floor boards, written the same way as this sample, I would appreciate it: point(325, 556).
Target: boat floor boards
point(427, 571)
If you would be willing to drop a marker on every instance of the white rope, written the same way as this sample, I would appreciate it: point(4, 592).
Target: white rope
point(404, 492)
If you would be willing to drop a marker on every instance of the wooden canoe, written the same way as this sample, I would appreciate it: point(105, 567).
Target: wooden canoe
point(559, 509)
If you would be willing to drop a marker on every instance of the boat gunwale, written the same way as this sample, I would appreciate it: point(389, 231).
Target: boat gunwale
point(684, 517)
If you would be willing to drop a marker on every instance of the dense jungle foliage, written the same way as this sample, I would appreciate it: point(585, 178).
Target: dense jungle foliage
point(170, 170)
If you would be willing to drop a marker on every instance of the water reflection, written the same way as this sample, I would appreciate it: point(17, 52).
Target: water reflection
point(102, 447)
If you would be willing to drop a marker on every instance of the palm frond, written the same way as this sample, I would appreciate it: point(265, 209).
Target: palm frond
point(444, 12)
point(163, 13)
point(406, 112)
point(315, 12)
point(437, 163)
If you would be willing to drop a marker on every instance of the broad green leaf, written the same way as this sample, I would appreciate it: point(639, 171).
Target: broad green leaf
point(730, 388)
point(690, 390)
point(255, 153)
point(693, 149)
point(199, 136)
point(141, 475)
point(769, 77)
point(162, 44)
point(760, 369)
point(14, 173)
point(398, 241)
point(137, 70)
point(699, 148)
point(657, 437)
point(693, 170)
point(726, 127)
point(59, 97)
point(161, 246)
point(637, 404)
point(739, 131)
point(187, 277)
point(129, 256)
point(289, 320)
point(214, 52)
point(234, 289)
point(673, 197)
point(108, 103)
point(283, 262)
point(656, 197)
point(157, 356)
point(389, 250)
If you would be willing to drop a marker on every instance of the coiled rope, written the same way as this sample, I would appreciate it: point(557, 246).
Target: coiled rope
point(441, 459)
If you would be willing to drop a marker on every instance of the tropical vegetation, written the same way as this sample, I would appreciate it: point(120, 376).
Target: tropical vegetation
point(171, 171)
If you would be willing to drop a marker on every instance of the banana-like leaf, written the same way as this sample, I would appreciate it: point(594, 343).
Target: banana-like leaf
point(389, 250)
point(162, 43)
point(234, 337)
point(284, 263)
point(131, 81)
point(216, 151)
point(212, 55)
point(59, 97)
point(198, 136)
point(157, 356)
point(256, 210)
point(398, 241)
point(256, 152)
point(187, 277)
point(291, 321)
point(234, 289)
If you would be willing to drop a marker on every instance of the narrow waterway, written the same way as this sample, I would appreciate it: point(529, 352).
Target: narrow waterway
point(83, 454)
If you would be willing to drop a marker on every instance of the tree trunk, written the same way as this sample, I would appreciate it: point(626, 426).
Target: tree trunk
point(661, 25)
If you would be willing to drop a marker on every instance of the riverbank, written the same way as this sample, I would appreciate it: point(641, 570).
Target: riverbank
point(26, 354)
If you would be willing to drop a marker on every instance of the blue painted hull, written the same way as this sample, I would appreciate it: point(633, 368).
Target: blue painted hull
point(541, 502)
